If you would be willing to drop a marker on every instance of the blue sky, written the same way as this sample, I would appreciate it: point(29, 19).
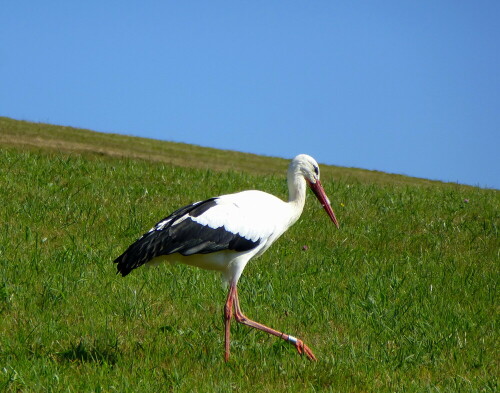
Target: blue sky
point(396, 86)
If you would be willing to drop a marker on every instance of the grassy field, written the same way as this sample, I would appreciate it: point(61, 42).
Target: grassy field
point(403, 298)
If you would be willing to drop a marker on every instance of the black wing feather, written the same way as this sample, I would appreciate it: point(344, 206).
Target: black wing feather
point(186, 237)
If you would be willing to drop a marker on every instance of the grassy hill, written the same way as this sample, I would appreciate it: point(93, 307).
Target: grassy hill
point(403, 298)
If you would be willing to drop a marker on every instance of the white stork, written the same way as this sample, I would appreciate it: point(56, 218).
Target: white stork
point(225, 232)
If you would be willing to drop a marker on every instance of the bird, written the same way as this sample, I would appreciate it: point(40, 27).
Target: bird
point(224, 233)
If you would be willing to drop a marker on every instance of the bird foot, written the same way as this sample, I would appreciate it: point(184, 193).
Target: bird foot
point(303, 349)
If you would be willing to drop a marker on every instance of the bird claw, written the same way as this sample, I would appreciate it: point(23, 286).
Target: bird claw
point(304, 349)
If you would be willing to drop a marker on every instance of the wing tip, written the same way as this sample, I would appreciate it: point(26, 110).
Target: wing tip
point(122, 266)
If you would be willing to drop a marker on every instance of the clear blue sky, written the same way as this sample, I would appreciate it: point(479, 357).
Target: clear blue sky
point(396, 86)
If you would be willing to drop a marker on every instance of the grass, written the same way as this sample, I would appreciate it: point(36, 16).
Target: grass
point(404, 298)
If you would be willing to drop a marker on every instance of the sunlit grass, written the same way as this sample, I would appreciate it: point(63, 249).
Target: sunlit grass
point(403, 298)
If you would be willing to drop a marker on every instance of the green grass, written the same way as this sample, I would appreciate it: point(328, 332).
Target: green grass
point(403, 298)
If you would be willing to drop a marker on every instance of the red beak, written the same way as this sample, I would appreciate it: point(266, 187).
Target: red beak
point(321, 195)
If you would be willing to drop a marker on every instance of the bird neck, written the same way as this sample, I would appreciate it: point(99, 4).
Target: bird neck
point(296, 194)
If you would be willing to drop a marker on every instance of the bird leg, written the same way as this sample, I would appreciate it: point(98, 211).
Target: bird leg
point(241, 318)
point(228, 313)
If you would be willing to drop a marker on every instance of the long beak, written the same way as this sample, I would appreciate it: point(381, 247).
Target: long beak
point(325, 202)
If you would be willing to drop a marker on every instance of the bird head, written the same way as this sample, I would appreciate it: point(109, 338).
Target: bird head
point(308, 167)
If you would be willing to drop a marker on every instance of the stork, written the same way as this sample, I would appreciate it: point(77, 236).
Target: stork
point(224, 233)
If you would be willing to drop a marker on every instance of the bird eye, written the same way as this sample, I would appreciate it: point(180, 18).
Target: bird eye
point(316, 170)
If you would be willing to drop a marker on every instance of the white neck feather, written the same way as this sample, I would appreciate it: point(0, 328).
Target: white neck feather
point(297, 188)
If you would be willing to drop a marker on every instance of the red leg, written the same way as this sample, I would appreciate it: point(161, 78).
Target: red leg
point(228, 313)
point(241, 318)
